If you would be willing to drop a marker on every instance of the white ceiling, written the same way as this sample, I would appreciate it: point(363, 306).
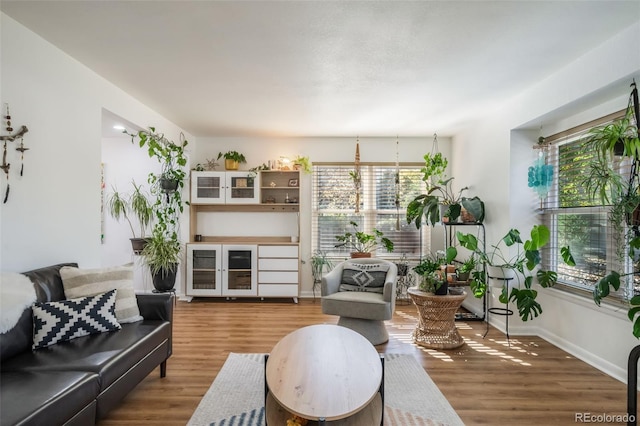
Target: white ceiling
point(323, 68)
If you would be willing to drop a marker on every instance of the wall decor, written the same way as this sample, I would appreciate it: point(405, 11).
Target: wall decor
point(6, 166)
point(293, 182)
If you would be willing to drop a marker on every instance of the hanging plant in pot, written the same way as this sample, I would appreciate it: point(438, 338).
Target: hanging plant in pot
point(362, 244)
point(133, 206)
point(163, 251)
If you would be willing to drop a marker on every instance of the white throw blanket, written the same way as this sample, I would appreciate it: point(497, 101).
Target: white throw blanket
point(16, 294)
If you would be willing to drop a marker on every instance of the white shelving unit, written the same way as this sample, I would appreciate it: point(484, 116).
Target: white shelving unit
point(257, 214)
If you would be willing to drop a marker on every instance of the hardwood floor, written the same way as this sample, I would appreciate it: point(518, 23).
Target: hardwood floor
point(487, 381)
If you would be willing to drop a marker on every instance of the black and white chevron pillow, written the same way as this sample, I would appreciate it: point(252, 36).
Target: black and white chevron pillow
point(55, 322)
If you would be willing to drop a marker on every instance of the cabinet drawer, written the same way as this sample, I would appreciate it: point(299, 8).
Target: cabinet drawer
point(277, 277)
point(278, 251)
point(278, 264)
point(278, 290)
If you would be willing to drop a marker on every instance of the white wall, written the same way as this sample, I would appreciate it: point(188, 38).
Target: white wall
point(54, 211)
point(502, 140)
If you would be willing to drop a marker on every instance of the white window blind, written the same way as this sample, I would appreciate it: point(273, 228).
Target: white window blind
point(333, 207)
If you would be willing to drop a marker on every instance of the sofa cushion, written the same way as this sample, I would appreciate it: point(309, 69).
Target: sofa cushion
point(89, 282)
point(110, 355)
point(46, 397)
point(357, 304)
point(368, 277)
point(54, 322)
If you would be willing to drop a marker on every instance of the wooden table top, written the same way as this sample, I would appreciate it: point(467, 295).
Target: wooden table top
point(324, 371)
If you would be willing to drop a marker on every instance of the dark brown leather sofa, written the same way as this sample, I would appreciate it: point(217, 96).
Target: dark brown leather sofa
point(79, 381)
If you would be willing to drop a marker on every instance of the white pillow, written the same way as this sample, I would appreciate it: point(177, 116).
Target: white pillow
point(90, 282)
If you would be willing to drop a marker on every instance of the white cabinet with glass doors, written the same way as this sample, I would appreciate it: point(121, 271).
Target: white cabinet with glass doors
point(225, 188)
point(222, 270)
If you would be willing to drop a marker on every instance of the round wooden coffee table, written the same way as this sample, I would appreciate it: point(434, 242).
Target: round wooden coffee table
point(436, 327)
point(325, 373)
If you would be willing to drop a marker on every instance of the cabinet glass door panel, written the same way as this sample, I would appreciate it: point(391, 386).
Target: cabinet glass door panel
point(240, 267)
point(204, 270)
point(242, 188)
point(207, 187)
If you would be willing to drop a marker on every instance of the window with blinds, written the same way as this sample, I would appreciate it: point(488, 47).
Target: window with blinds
point(582, 223)
point(384, 195)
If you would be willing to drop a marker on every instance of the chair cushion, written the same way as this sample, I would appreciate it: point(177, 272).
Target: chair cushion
point(357, 304)
point(89, 282)
point(369, 277)
point(55, 322)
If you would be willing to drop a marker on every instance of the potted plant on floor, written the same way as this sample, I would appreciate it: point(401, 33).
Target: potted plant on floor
point(133, 206)
point(232, 159)
point(506, 269)
point(163, 251)
point(432, 272)
point(319, 264)
point(362, 244)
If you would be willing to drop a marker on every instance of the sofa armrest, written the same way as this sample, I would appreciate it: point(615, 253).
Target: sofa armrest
point(157, 306)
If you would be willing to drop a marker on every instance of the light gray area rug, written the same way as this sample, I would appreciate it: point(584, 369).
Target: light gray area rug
point(236, 397)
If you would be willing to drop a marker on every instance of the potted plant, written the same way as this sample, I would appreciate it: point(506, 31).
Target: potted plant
point(362, 244)
point(162, 255)
point(466, 268)
point(302, 163)
point(474, 207)
point(441, 202)
point(434, 167)
point(133, 206)
point(319, 264)
point(432, 271)
point(503, 266)
point(608, 186)
point(232, 159)
point(162, 252)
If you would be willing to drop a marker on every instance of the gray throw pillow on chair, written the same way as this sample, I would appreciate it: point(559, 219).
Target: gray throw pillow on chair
point(364, 277)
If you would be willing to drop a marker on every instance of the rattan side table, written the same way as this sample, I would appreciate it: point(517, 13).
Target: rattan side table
point(436, 328)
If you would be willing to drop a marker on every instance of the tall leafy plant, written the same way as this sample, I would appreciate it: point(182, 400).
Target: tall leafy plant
point(162, 253)
point(524, 257)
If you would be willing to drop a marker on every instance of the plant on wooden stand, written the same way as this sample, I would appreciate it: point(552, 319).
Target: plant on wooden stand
point(432, 270)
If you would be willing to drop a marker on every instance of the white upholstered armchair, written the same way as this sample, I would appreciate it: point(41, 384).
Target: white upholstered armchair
point(362, 293)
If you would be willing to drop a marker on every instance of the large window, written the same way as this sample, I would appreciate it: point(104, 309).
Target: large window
point(334, 202)
point(582, 223)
